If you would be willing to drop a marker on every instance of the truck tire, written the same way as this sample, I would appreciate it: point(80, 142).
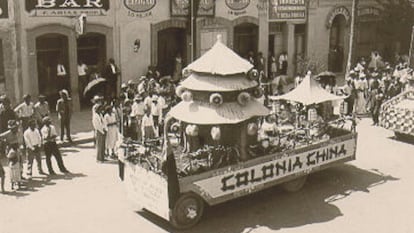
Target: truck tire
point(294, 185)
point(187, 211)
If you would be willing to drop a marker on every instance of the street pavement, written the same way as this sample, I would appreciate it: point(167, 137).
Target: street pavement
point(372, 194)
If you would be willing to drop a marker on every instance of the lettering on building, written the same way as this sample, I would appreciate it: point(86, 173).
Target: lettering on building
point(67, 7)
point(180, 8)
point(140, 5)
point(335, 12)
point(237, 7)
point(287, 10)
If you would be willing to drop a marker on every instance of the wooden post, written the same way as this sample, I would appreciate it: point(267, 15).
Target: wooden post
point(352, 36)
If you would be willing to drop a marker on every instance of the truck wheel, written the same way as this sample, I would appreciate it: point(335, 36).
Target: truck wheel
point(294, 185)
point(187, 211)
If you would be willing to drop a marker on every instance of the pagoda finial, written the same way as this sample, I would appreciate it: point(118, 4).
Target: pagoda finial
point(219, 38)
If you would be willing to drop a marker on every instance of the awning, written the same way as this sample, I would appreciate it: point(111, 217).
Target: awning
point(308, 92)
point(216, 83)
point(220, 60)
point(207, 114)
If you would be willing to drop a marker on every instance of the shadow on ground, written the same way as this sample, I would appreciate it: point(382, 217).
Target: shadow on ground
point(276, 209)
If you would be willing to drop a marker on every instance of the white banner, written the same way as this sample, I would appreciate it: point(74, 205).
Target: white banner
point(247, 179)
point(147, 189)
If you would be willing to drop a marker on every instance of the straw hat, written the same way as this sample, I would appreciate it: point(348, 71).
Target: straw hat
point(12, 124)
point(46, 120)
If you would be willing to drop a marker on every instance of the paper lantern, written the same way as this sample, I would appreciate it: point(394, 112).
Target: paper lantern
point(343, 109)
point(252, 129)
point(191, 130)
point(179, 91)
point(175, 127)
point(312, 114)
point(215, 133)
point(187, 96)
point(216, 99)
point(257, 92)
point(253, 75)
point(243, 98)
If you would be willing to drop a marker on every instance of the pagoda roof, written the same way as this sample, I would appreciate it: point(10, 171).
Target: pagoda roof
point(207, 114)
point(220, 60)
point(308, 92)
point(207, 82)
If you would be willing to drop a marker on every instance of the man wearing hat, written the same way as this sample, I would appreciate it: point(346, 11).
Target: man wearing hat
point(25, 111)
point(100, 132)
point(64, 110)
point(6, 114)
point(11, 138)
point(137, 112)
point(49, 143)
point(33, 141)
point(41, 110)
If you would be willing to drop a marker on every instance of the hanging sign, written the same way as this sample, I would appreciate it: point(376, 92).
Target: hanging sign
point(237, 7)
point(287, 10)
point(62, 8)
point(140, 8)
point(4, 9)
point(180, 8)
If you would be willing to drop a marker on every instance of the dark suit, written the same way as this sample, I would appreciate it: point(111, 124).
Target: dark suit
point(64, 110)
point(112, 80)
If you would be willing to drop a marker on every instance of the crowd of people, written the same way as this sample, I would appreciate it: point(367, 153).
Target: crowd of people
point(26, 131)
point(137, 113)
point(372, 82)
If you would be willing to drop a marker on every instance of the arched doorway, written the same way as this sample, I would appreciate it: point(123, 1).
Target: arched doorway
point(50, 48)
point(171, 42)
point(246, 38)
point(91, 49)
point(336, 59)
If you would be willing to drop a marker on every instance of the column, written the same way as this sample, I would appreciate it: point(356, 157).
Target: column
point(73, 71)
point(263, 31)
point(290, 35)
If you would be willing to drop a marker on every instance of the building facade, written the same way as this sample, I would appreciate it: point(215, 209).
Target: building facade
point(39, 34)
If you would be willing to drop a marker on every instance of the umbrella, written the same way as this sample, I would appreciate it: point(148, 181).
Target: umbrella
point(93, 85)
point(326, 77)
point(308, 92)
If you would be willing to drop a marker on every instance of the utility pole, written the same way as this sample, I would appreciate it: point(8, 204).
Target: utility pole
point(193, 13)
point(352, 36)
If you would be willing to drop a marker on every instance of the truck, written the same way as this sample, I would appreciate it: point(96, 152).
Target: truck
point(214, 149)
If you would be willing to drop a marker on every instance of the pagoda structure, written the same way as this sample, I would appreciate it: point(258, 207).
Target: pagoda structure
point(220, 100)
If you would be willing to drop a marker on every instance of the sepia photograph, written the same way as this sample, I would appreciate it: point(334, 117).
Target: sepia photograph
point(206, 116)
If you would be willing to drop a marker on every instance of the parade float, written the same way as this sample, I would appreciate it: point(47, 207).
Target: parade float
point(397, 114)
point(214, 149)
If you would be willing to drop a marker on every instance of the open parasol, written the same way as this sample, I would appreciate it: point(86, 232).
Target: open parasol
point(308, 92)
point(93, 85)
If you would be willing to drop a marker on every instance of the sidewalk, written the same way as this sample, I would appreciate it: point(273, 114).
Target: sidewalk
point(81, 127)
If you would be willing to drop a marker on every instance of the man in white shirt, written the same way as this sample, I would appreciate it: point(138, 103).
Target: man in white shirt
point(41, 110)
point(100, 132)
point(25, 111)
point(49, 142)
point(33, 141)
point(137, 112)
point(147, 126)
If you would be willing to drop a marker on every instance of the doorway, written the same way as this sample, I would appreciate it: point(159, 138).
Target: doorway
point(91, 52)
point(246, 39)
point(171, 42)
point(336, 44)
point(50, 48)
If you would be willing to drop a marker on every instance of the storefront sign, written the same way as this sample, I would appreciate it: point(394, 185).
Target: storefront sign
point(247, 179)
point(287, 10)
point(139, 8)
point(180, 8)
point(335, 12)
point(140, 5)
point(369, 11)
point(4, 9)
point(52, 8)
point(237, 7)
point(147, 189)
